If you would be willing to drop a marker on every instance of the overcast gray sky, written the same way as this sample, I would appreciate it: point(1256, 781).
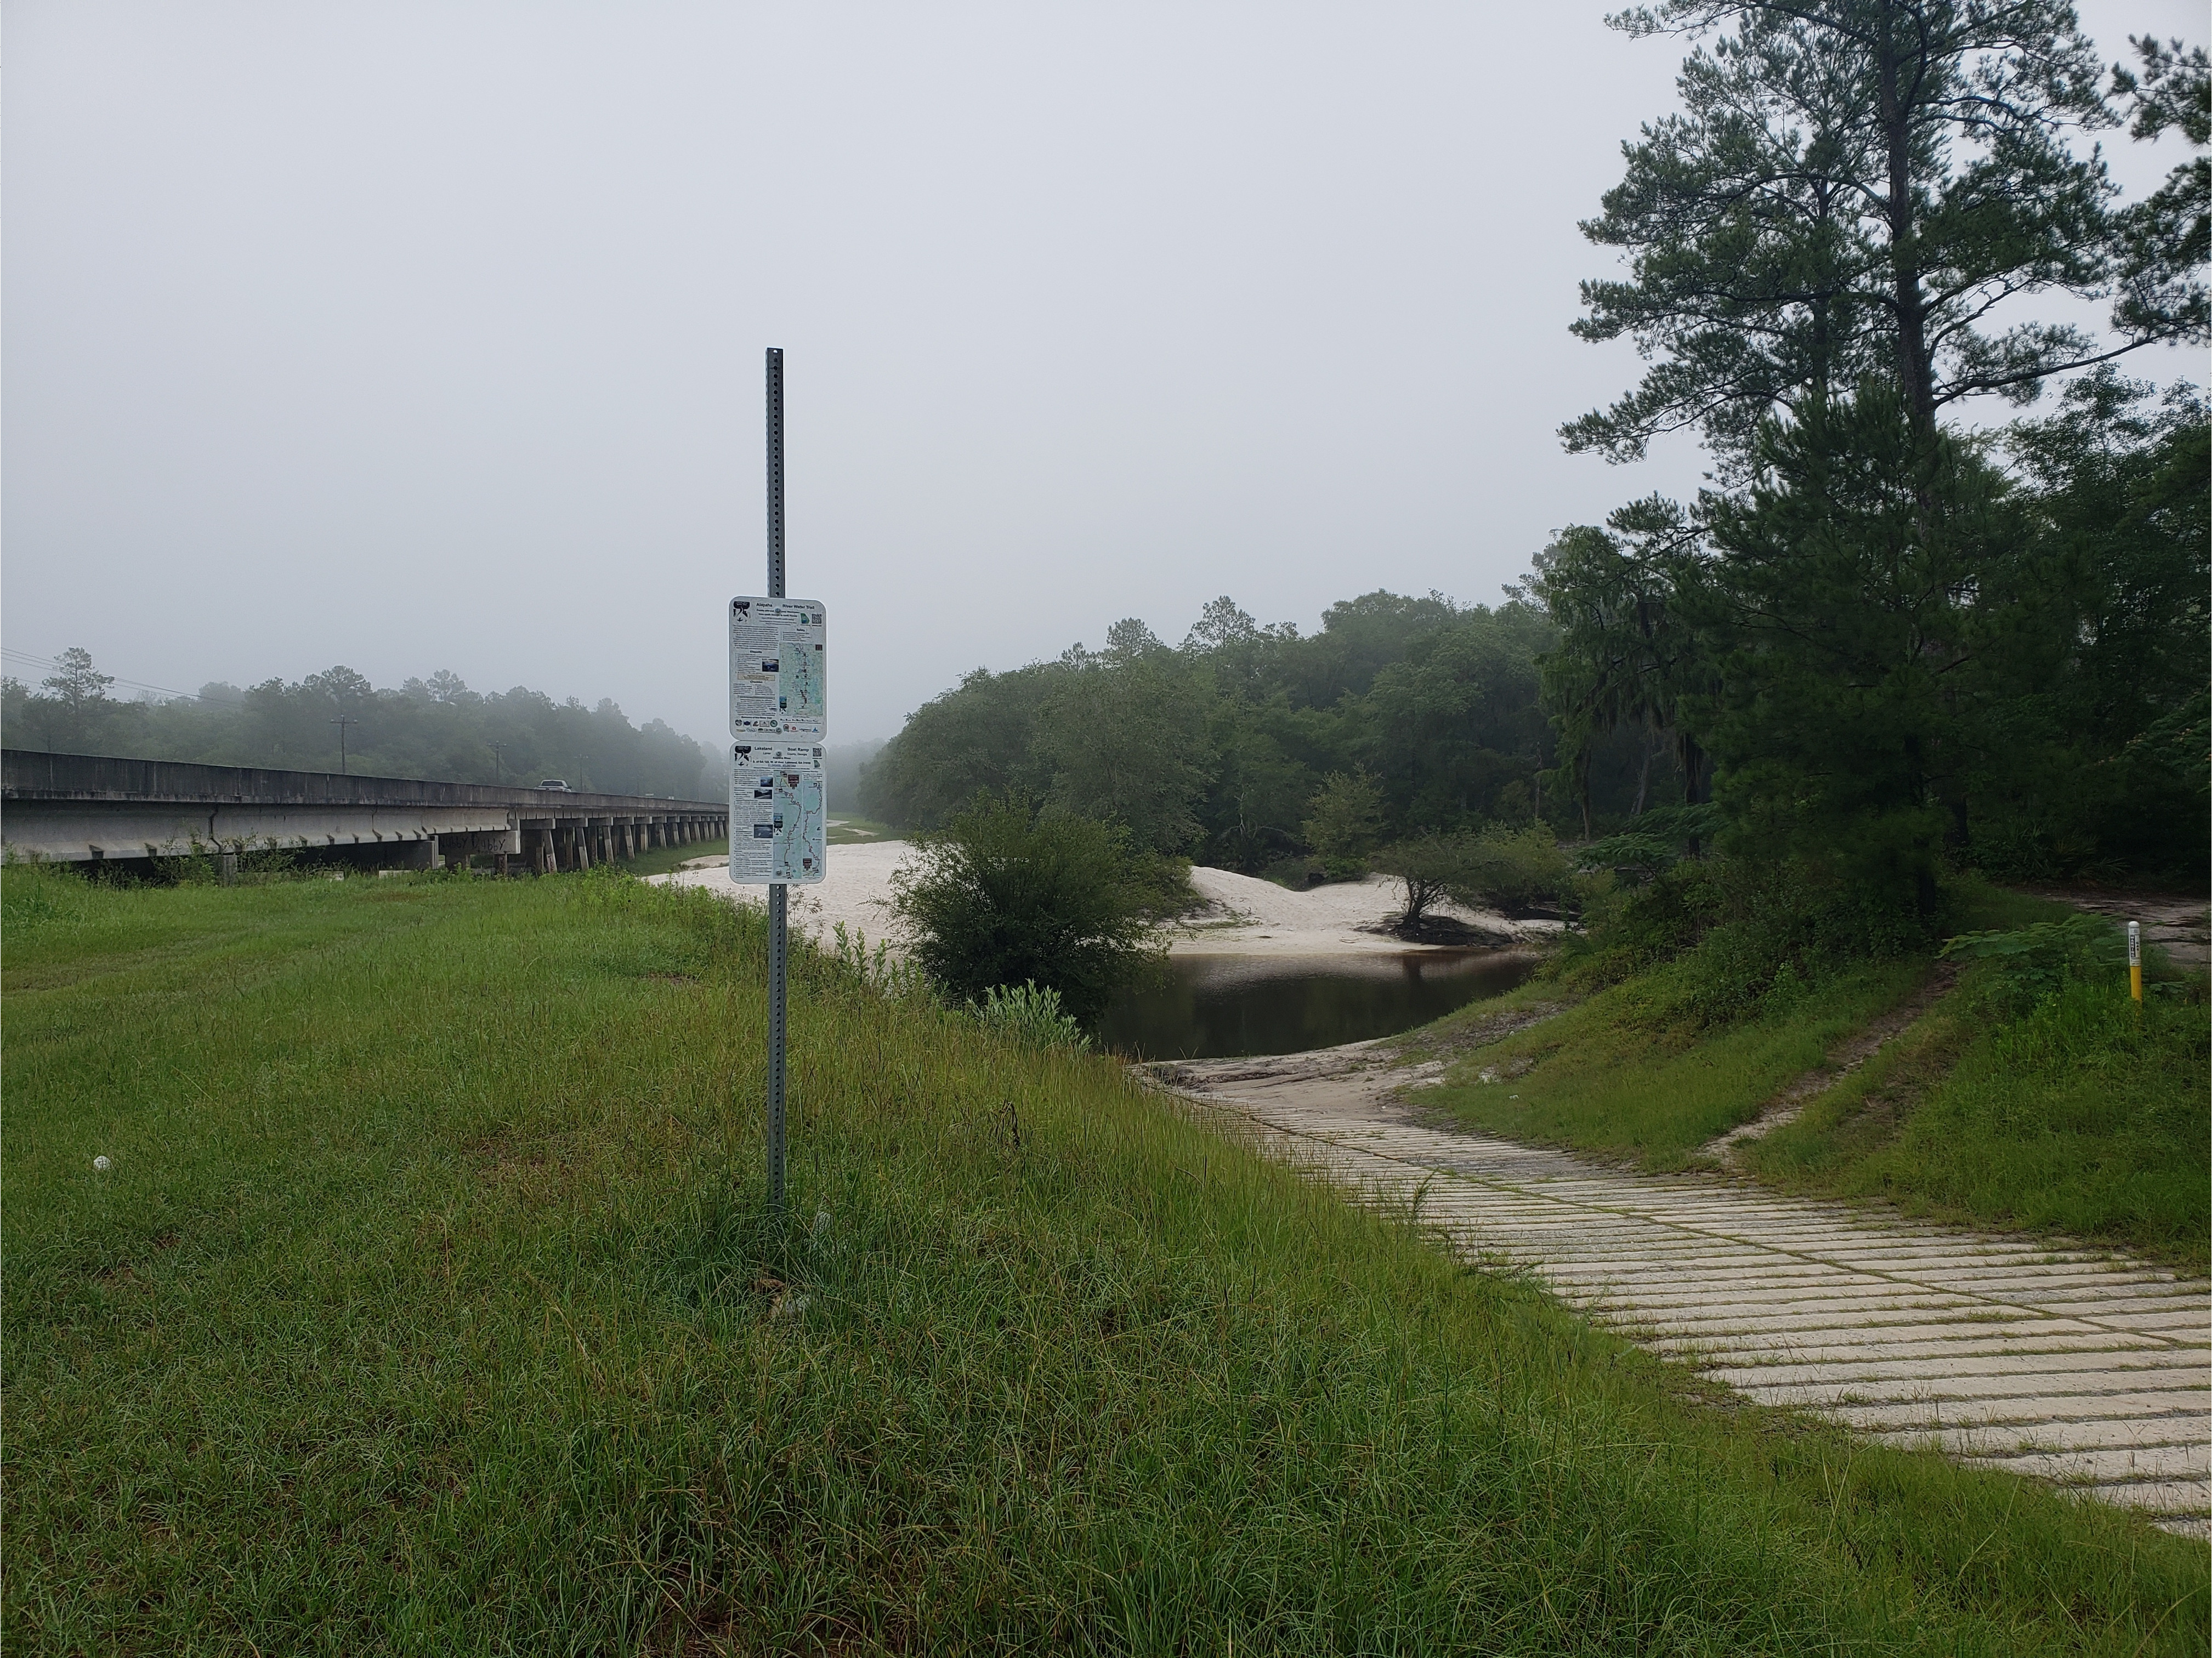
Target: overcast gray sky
point(416, 336)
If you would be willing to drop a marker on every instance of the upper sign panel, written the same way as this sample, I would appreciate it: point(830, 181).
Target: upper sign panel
point(779, 668)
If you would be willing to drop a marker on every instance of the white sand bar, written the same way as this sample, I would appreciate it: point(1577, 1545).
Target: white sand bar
point(1243, 915)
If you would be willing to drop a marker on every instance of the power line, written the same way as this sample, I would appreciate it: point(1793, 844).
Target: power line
point(135, 685)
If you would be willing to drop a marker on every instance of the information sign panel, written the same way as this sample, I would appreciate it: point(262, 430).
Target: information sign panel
point(779, 814)
point(778, 670)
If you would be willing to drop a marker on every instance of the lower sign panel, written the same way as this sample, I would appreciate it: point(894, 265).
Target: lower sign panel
point(779, 814)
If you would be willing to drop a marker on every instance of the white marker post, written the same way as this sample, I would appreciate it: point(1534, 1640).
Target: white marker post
point(779, 800)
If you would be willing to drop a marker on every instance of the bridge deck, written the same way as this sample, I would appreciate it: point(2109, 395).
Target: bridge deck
point(79, 808)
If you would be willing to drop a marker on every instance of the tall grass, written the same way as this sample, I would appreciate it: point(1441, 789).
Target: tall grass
point(1626, 1074)
point(429, 1305)
point(2084, 1116)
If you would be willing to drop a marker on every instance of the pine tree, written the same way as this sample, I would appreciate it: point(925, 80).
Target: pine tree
point(1853, 186)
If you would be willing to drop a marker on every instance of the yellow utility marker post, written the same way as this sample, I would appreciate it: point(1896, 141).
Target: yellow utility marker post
point(2134, 961)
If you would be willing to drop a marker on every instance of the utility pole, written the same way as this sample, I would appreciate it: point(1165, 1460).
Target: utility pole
point(341, 722)
point(498, 771)
point(778, 916)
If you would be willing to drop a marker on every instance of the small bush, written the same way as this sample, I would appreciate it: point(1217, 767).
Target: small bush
point(878, 969)
point(1784, 930)
point(1652, 844)
point(1006, 895)
point(1423, 868)
point(2020, 967)
point(1518, 872)
point(1744, 936)
point(1626, 929)
point(1032, 1017)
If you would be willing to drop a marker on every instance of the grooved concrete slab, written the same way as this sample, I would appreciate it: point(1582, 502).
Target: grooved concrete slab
point(2068, 1363)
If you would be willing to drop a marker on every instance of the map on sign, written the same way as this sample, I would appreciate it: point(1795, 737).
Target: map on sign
point(779, 814)
point(779, 668)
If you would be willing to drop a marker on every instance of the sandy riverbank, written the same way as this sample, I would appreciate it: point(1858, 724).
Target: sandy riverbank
point(1243, 916)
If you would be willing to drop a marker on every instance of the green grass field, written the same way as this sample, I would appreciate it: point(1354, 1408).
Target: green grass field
point(658, 860)
point(1606, 1076)
point(429, 1305)
point(857, 831)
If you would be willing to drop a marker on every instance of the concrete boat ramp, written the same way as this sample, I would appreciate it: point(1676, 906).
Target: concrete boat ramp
point(2068, 1363)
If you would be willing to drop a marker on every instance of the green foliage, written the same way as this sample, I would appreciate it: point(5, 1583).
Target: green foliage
point(1626, 659)
point(2024, 965)
point(1850, 595)
point(1032, 1017)
point(2095, 758)
point(973, 739)
point(878, 969)
point(1519, 871)
point(1213, 750)
point(1652, 844)
point(1344, 818)
point(1777, 951)
point(430, 1302)
point(1257, 790)
point(38, 898)
point(2166, 240)
point(1901, 658)
point(1738, 936)
point(1006, 895)
point(1123, 738)
point(1633, 1071)
point(1449, 729)
point(438, 729)
point(1424, 869)
point(1626, 928)
point(1848, 189)
point(1896, 656)
point(2029, 1098)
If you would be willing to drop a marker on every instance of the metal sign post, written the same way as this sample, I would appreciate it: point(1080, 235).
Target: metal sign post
point(779, 799)
point(777, 918)
point(779, 795)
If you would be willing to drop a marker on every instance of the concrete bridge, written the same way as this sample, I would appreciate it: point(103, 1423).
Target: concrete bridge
point(85, 808)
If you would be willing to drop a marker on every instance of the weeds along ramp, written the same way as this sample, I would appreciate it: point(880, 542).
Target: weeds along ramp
point(2070, 1365)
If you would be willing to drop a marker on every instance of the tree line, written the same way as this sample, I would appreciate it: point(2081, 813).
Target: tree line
point(1253, 747)
point(1883, 642)
point(434, 728)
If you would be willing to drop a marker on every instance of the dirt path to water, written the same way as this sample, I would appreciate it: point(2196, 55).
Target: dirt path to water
point(2069, 1363)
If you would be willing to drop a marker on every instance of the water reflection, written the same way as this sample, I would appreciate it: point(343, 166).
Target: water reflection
point(1212, 1006)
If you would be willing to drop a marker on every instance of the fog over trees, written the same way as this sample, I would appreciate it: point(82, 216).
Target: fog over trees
point(434, 728)
point(1883, 643)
